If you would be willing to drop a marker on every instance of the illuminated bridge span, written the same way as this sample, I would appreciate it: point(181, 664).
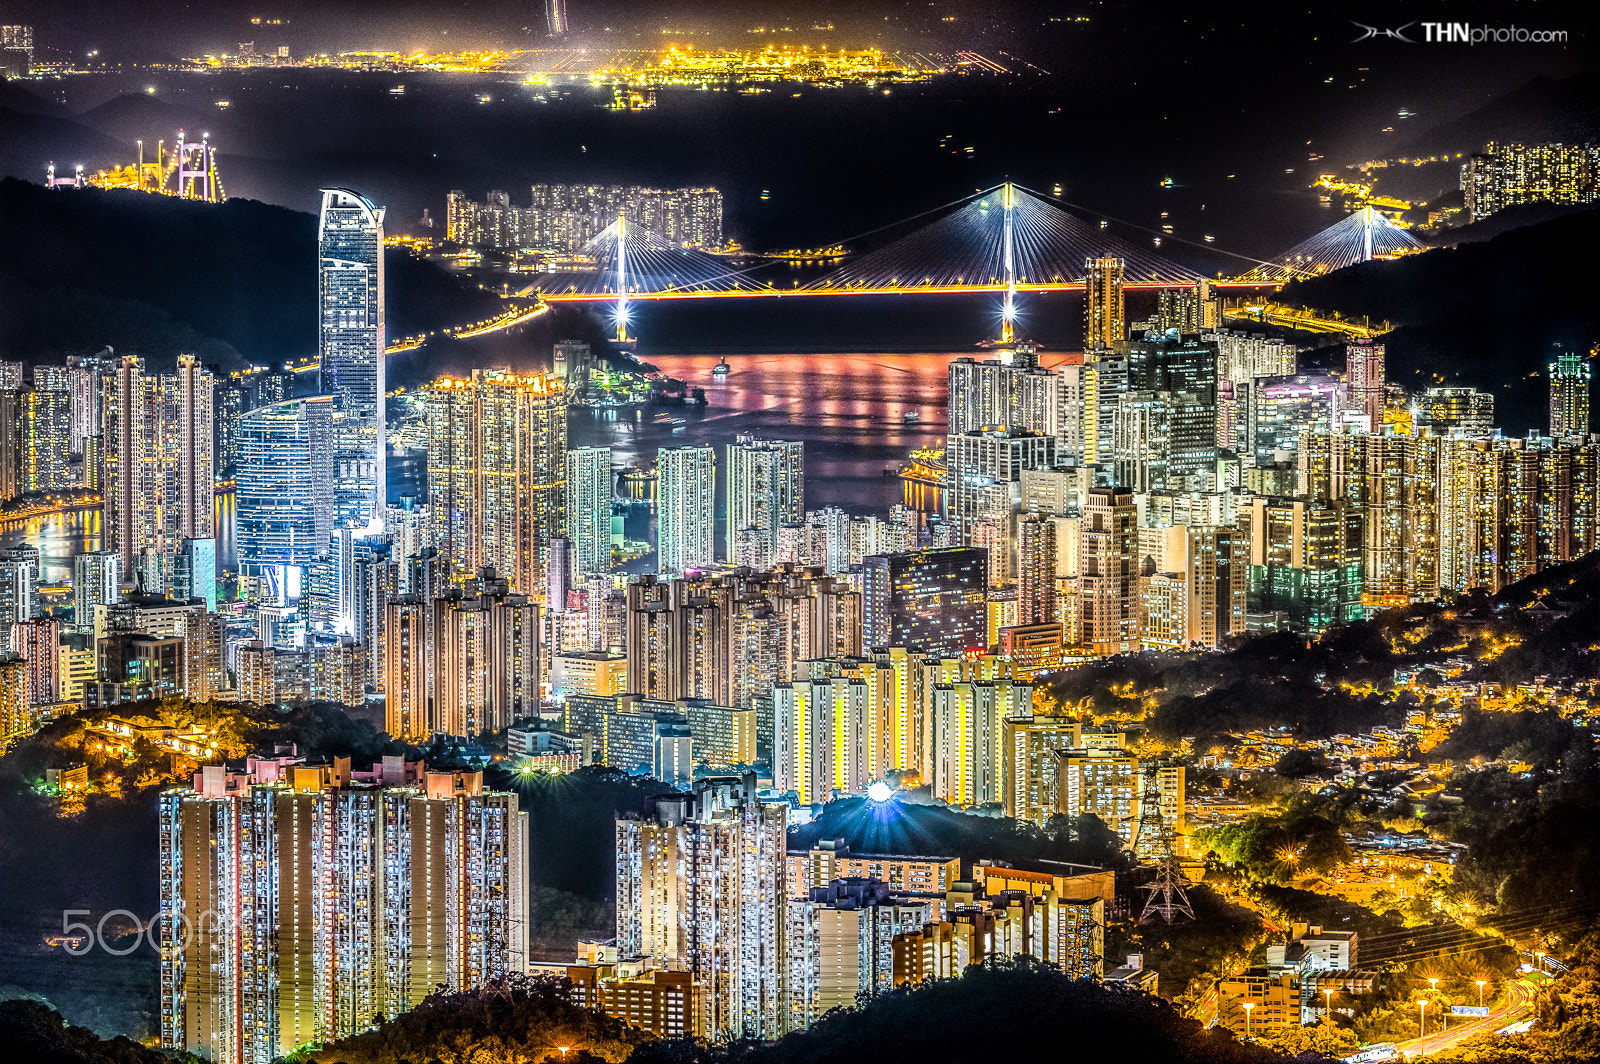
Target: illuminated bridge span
point(1005, 239)
point(1361, 237)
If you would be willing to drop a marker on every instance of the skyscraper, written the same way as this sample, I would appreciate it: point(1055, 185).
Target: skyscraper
point(1108, 572)
point(350, 326)
point(589, 496)
point(700, 888)
point(1569, 395)
point(1106, 309)
point(160, 480)
point(926, 598)
point(284, 483)
point(686, 509)
point(497, 468)
point(45, 424)
point(301, 902)
point(1365, 380)
point(766, 490)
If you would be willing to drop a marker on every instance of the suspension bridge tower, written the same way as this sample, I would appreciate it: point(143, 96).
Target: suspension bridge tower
point(622, 336)
point(1008, 310)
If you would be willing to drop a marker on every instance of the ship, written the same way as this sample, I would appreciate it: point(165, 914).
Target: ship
point(910, 417)
point(720, 371)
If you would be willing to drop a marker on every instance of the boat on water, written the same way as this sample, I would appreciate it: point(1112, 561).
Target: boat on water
point(720, 371)
point(911, 417)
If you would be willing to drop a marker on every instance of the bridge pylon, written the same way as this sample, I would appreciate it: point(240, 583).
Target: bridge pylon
point(622, 281)
point(1008, 308)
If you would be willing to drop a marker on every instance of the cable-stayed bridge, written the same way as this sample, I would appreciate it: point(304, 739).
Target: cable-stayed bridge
point(1007, 239)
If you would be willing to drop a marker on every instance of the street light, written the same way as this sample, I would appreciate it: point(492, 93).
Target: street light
point(1433, 984)
point(1480, 992)
point(1328, 1013)
point(1422, 1021)
point(1248, 1005)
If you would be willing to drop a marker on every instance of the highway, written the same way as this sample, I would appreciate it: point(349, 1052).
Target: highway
point(1515, 1006)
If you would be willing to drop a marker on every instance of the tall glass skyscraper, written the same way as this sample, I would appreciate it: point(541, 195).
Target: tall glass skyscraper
point(284, 483)
point(350, 334)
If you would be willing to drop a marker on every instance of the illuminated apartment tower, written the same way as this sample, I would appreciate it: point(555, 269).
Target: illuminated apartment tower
point(1036, 570)
point(44, 426)
point(300, 903)
point(1106, 309)
point(159, 475)
point(1569, 396)
point(485, 670)
point(1392, 481)
point(350, 330)
point(686, 509)
point(497, 469)
point(1364, 380)
point(700, 888)
point(766, 491)
point(589, 494)
point(1108, 572)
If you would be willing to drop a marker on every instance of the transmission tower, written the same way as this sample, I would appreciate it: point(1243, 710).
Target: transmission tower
point(1154, 835)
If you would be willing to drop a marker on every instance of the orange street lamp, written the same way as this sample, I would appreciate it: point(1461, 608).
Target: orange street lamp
point(1328, 1013)
point(1433, 984)
point(1248, 1005)
point(1480, 992)
point(1422, 1020)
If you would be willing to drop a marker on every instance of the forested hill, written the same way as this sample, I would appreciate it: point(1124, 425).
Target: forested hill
point(235, 282)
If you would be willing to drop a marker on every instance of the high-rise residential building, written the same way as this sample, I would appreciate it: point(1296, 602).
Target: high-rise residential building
point(304, 903)
point(766, 491)
point(18, 588)
point(350, 334)
point(284, 483)
point(1108, 572)
point(933, 598)
point(1304, 560)
point(497, 473)
point(589, 502)
point(686, 509)
point(160, 479)
point(966, 748)
point(44, 423)
point(1365, 381)
point(700, 889)
point(1106, 309)
point(840, 946)
point(986, 470)
point(1392, 481)
point(486, 659)
point(1504, 175)
point(1570, 376)
point(1011, 392)
point(96, 581)
point(564, 218)
point(1453, 412)
point(1036, 570)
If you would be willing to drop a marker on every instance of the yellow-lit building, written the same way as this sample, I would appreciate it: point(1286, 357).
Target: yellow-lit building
point(663, 1003)
point(830, 860)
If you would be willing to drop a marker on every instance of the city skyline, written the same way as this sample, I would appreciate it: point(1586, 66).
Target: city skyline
point(575, 531)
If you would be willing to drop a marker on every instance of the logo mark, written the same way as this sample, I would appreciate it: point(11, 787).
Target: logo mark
point(1369, 32)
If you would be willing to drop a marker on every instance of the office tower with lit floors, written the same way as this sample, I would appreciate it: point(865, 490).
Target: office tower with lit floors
point(700, 889)
point(934, 599)
point(351, 336)
point(284, 483)
point(1365, 380)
